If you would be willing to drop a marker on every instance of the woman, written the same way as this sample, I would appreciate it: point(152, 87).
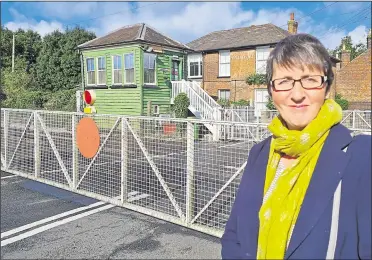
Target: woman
point(306, 191)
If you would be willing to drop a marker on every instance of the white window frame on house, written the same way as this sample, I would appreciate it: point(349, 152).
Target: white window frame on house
point(224, 63)
point(100, 70)
point(127, 68)
point(144, 68)
point(262, 54)
point(195, 58)
point(220, 91)
point(119, 70)
point(90, 71)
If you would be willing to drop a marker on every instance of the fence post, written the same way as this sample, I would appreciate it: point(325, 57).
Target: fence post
point(124, 160)
point(190, 173)
point(75, 155)
point(6, 127)
point(37, 155)
point(78, 101)
point(353, 119)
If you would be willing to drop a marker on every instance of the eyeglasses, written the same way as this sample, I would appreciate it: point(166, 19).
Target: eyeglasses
point(308, 82)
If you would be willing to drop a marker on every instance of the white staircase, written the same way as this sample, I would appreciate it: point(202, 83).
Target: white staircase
point(201, 105)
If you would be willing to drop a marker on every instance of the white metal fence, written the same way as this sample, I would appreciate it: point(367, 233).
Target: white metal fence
point(357, 120)
point(166, 168)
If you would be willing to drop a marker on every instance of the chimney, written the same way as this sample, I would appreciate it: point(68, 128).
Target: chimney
point(369, 39)
point(292, 25)
point(345, 55)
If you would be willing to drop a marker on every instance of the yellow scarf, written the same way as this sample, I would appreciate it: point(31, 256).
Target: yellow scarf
point(279, 211)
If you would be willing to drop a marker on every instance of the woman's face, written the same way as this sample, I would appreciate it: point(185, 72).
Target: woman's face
point(298, 106)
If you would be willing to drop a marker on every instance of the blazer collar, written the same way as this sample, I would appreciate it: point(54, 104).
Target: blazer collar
point(326, 176)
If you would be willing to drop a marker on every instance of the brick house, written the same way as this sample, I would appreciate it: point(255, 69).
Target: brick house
point(223, 60)
point(353, 78)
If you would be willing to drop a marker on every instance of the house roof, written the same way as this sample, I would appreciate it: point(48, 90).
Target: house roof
point(140, 32)
point(254, 35)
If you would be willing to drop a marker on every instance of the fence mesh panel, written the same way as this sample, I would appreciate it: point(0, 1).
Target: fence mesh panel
point(20, 141)
point(55, 144)
point(157, 165)
point(102, 173)
point(2, 137)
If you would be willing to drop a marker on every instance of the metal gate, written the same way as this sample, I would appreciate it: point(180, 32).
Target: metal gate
point(165, 168)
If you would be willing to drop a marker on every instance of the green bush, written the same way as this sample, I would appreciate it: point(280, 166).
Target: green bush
point(181, 105)
point(256, 79)
point(241, 102)
point(270, 104)
point(342, 102)
point(224, 102)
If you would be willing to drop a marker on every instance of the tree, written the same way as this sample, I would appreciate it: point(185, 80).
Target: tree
point(355, 50)
point(27, 47)
point(58, 65)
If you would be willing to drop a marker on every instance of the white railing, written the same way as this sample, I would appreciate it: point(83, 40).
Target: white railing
point(200, 101)
point(358, 120)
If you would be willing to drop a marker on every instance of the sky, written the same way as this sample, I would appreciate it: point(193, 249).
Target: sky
point(187, 21)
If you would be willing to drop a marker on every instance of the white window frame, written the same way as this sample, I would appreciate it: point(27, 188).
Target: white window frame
point(98, 70)
point(134, 69)
point(219, 93)
point(94, 70)
point(195, 57)
point(113, 70)
point(149, 83)
point(222, 61)
point(265, 51)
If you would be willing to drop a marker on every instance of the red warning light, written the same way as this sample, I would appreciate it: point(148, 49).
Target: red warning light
point(89, 97)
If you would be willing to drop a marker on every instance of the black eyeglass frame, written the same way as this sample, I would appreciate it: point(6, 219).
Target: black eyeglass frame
point(324, 79)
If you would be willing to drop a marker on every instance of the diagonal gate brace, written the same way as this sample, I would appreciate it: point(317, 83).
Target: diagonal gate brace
point(157, 173)
point(54, 148)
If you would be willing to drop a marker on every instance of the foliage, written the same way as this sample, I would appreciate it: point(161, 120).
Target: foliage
point(224, 102)
point(355, 50)
point(256, 79)
point(241, 102)
point(342, 102)
point(16, 87)
point(270, 104)
point(181, 105)
point(47, 70)
point(58, 66)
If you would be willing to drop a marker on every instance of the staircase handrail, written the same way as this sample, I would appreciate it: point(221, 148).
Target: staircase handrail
point(205, 95)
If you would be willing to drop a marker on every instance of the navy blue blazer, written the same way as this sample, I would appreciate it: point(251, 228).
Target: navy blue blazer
point(311, 234)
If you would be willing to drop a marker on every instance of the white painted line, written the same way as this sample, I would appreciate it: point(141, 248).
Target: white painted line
point(7, 177)
point(41, 201)
point(52, 225)
point(42, 221)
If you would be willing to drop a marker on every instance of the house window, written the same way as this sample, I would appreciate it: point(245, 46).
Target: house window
point(129, 68)
point(149, 68)
point(261, 57)
point(117, 70)
point(101, 71)
point(91, 72)
point(224, 59)
point(195, 64)
point(224, 94)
